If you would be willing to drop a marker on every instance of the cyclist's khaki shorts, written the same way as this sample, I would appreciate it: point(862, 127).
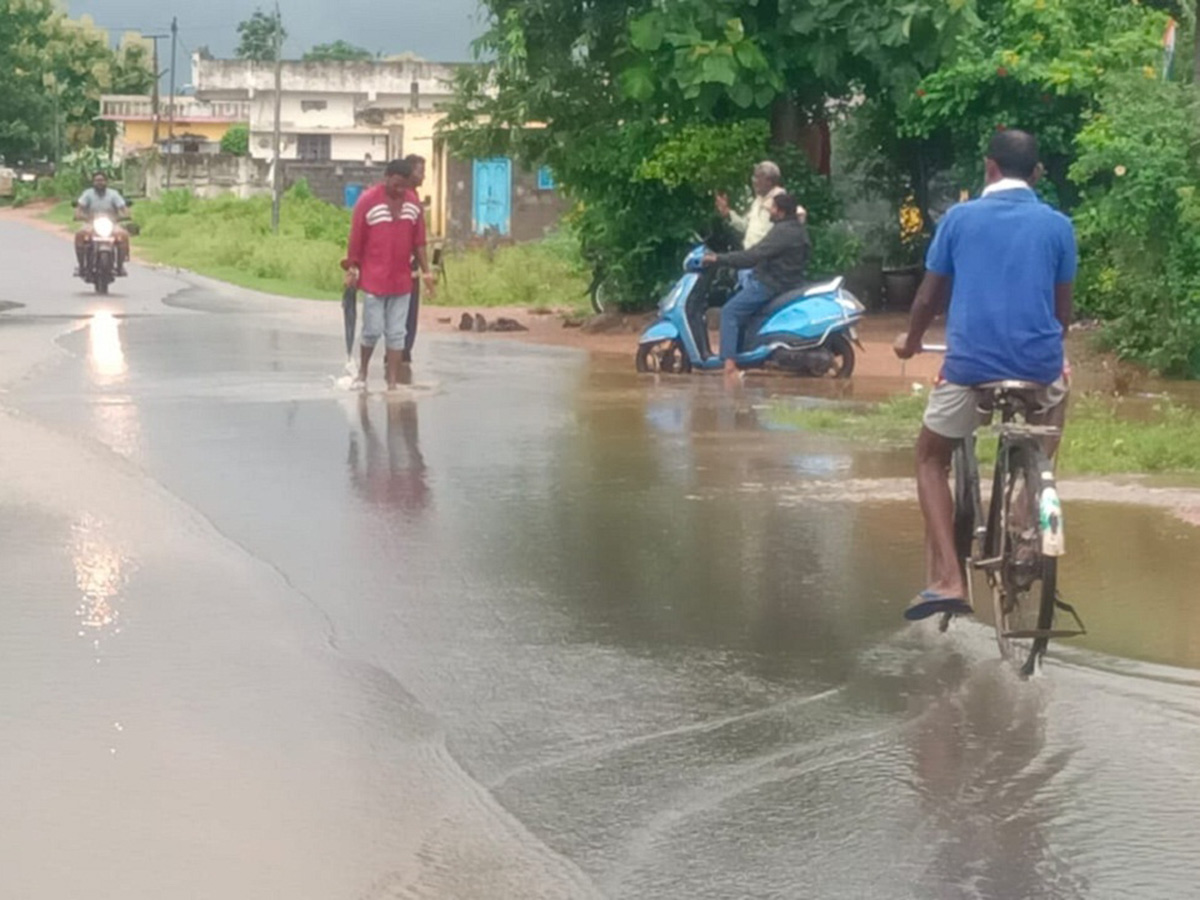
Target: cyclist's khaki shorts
point(953, 409)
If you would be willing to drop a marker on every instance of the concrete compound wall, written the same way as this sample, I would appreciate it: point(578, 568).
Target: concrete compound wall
point(534, 212)
point(328, 180)
point(211, 175)
point(208, 175)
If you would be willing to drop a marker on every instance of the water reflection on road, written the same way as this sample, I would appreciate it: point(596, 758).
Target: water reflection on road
point(676, 667)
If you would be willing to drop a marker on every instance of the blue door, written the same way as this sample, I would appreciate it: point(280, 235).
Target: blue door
point(493, 194)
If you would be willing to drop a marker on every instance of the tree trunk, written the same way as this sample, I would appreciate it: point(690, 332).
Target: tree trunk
point(786, 122)
point(1196, 45)
point(791, 128)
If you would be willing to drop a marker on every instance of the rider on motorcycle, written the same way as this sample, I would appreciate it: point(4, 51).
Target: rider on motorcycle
point(778, 261)
point(100, 200)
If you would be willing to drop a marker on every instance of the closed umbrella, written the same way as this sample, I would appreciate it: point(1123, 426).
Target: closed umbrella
point(350, 318)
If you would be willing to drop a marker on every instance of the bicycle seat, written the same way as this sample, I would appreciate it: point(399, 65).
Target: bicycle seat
point(1009, 385)
point(1027, 394)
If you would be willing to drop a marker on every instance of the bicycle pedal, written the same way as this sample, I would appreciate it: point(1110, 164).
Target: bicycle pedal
point(985, 564)
point(1050, 634)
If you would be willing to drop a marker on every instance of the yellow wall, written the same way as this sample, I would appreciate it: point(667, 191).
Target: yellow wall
point(420, 136)
point(141, 134)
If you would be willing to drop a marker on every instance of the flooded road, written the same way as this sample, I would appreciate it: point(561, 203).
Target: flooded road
point(538, 629)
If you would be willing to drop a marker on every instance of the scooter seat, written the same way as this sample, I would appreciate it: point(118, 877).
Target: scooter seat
point(789, 297)
point(809, 290)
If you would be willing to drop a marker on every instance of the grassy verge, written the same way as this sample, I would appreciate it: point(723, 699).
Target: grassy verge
point(63, 213)
point(231, 239)
point(1103, 436)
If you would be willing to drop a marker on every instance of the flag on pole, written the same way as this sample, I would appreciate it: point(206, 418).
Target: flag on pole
point(1169, 47)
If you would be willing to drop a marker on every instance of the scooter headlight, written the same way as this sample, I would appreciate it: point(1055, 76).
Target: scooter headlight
point(103, 227)
point(849, 302)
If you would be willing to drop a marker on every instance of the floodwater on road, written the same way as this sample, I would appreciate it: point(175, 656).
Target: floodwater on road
point(538, 628)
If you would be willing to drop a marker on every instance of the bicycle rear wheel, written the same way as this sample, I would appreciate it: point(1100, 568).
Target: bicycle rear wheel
point(1024, 581)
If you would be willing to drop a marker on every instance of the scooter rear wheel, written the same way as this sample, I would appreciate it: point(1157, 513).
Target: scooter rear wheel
point(843, 357)
point(663, 357)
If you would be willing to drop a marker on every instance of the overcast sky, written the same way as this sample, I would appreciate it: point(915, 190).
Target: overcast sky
point(439, 30)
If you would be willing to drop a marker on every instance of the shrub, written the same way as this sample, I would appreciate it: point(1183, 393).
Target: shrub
point(236, 140)
point(1139, 223)
point(544, 274)
point(23, 192)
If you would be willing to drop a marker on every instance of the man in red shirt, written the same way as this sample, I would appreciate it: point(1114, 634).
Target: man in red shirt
point(387, 230)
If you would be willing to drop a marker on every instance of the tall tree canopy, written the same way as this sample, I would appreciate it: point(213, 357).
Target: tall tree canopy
point(338, 51)
point(609, 84)
point(257, 37)
point(605, 92)
point(55, 71)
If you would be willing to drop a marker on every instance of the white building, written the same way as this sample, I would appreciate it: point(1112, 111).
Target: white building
point(333, 111)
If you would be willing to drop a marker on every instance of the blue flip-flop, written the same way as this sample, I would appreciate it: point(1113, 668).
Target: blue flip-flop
point(931, 603)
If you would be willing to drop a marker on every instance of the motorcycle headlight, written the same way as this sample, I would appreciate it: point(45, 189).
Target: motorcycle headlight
point(103, 227)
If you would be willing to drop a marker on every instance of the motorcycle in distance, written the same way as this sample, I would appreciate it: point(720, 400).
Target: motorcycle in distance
point(810, 330)
point(100, 255)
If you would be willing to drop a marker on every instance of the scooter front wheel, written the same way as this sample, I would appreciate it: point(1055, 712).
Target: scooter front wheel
point(665, 357)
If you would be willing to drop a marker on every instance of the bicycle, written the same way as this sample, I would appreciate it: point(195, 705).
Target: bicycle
point(1018, 543)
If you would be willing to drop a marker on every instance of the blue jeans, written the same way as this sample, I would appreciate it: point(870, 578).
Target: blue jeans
point(750, 298)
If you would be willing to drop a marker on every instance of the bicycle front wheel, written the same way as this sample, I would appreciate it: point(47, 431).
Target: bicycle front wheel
point(1024, 582)
point(966, 502)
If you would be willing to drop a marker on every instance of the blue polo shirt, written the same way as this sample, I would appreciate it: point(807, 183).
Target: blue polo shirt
point(1006, 252)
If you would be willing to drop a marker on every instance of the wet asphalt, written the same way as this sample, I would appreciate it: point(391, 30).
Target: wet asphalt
point(534, 628)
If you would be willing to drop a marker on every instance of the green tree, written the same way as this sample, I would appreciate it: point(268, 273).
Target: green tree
point(55, 71)
point(258, 37)
point(1138, 167)
point(1034, 65)
point(338, 51)
point(24, 107)
point(133, 72)
point(608, 85)
point(79, 68)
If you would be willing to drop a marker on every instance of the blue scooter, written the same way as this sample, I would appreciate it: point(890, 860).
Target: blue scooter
point(809, 331)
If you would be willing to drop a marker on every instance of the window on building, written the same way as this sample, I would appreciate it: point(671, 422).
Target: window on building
point(545, 179)
point(315, 147)
point(312, 105)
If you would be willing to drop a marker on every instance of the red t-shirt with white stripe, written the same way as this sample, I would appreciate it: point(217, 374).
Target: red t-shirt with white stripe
point(384, 234)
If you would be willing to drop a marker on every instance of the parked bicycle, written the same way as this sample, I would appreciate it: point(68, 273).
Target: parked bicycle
point(1017, 540)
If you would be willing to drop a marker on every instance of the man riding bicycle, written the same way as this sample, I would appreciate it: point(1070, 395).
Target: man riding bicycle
point(1005, 265)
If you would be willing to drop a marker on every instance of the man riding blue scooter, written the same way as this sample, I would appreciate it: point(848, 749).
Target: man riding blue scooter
point(778, 262)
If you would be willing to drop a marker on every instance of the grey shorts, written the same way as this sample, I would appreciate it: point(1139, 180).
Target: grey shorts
point(385, 317)
point(953, 409)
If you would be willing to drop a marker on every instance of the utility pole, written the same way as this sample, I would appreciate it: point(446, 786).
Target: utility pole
point(276, 140)
point(154, 91)
point(171, 108)
point(57, 131)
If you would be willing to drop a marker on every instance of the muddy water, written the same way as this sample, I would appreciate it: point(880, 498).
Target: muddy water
point(649, 647)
